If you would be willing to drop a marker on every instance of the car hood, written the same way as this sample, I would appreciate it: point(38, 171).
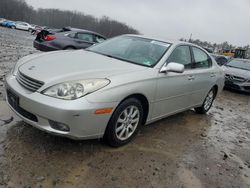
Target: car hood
point(73, 65)
point(237, 72)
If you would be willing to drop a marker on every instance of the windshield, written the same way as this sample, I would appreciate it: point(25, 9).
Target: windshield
point(241, 64)
point(141, 51)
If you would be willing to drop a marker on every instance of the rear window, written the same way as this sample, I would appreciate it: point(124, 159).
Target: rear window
point(99, 39)
point(71, 35)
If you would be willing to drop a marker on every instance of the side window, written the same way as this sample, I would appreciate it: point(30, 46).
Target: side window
point(85, 36)
point(181, 55)
point(202, 60)
point(99, 39)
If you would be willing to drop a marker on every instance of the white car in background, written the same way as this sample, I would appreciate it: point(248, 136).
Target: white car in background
point(2, 20)
point(24, 26)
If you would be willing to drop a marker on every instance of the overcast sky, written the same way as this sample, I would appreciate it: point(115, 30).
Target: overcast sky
point(211, 20)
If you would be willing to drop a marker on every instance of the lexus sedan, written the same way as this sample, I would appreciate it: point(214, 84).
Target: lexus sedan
point(238, 75)
point(111, 89)
point(51, 40)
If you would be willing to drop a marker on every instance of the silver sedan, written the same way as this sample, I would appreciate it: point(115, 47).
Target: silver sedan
point(111, 89)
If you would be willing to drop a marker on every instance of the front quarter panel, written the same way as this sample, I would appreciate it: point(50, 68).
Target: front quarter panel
point(140, 82)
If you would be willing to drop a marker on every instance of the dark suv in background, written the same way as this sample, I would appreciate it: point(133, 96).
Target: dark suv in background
point(49, 40)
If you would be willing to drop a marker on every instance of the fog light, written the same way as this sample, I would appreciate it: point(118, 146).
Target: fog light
point(59, 126)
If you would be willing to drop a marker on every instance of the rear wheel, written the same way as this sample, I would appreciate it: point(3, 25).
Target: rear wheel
point(124, 123)
point(207, 102)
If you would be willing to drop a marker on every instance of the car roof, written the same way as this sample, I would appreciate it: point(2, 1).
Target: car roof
point(20, 22)
point(83, 30)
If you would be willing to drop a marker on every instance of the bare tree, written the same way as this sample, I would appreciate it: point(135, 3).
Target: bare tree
point(20, 10)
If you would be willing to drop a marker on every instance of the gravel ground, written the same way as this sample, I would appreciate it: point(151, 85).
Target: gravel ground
point(186, 150)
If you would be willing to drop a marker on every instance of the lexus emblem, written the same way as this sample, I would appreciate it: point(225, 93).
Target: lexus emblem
point(230, 77)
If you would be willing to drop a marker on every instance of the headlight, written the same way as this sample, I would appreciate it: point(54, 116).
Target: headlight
point(75, 89)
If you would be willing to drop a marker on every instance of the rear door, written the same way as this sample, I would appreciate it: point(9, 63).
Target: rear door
point(22, 26)
point(204, 75)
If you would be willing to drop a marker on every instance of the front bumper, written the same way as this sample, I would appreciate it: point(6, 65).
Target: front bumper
point(244, 86)
point(79, 115)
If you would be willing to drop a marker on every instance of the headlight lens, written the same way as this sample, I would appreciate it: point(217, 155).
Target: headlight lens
point(75, 89)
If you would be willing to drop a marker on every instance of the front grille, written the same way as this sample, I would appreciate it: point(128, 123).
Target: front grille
point(27, 82)
point(234, 78)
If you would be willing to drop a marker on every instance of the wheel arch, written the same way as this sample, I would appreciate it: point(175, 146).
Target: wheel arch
point(216, 89)
point(144, 101)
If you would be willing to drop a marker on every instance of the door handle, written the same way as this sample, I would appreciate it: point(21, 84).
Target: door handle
point(191, 77)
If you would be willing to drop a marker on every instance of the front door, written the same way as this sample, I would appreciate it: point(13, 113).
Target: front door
point(174, 90)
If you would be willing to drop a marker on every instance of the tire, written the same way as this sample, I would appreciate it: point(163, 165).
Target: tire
point(30, 30)
point(13, 27)
point(207, 104)
point(124, 123)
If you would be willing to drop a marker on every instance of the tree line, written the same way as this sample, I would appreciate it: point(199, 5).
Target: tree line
point(216, 47)
point(19, 10)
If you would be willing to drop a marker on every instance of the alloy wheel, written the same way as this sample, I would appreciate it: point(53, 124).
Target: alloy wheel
point(209, 100)
point(127, 122)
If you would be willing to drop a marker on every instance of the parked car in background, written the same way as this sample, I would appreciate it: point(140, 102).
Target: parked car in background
point(238, 74)
point(37, 29)
point(112, 88)
point(50, 30)
point(50, 40)
point(220, 59)
point(9, 24)
point(2, 20)
point(24, 26)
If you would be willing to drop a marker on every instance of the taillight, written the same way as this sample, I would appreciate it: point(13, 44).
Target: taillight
point(49, 37)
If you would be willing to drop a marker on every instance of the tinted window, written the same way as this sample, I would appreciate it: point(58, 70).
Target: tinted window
point(85, 36)
point(181, 55)
point(202, 60)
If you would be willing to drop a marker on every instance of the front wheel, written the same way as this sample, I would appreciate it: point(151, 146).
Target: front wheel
point(124, 123)
point(207, 102)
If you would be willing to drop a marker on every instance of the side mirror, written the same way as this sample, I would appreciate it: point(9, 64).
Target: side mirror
point(172, 67)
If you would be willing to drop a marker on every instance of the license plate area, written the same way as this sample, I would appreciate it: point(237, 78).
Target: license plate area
point(13, 99)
